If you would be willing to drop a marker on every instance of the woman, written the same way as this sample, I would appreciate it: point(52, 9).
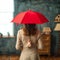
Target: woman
point(27, 37)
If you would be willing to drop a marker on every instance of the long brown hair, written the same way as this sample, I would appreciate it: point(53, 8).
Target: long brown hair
point(30, 29)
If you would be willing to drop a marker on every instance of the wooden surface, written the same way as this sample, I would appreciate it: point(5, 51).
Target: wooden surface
point(16, 57)
point(9, 57)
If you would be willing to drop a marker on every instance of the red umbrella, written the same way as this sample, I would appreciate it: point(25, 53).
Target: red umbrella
point(30, 17)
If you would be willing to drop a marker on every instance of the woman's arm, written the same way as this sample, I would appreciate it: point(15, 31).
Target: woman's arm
point(39, 39)
point(18, 42)
point(40, 44)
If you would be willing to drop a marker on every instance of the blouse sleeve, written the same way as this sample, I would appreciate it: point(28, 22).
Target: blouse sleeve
point(40, 46)
point(18, 42)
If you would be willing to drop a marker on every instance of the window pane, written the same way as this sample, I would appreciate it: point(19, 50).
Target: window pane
point(6, 5)
point(6, 15)
point(5, 23)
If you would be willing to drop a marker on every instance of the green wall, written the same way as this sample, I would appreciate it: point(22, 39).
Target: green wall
point(49, 8)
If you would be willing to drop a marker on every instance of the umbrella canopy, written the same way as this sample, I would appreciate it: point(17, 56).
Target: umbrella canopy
point(30, 17)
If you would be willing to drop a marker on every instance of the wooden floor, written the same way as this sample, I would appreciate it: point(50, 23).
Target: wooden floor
point(16, 57)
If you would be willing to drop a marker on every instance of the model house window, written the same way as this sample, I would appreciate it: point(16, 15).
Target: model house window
point(6, 15)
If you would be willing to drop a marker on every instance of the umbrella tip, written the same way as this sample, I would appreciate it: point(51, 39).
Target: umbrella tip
point(29, 9)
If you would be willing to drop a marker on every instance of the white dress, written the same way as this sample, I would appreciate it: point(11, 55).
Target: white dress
point(28, 53)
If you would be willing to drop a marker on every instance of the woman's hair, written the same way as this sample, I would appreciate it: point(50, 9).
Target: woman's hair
point(30, 29)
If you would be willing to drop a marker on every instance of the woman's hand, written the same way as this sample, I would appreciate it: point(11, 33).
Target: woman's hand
point(28, 43)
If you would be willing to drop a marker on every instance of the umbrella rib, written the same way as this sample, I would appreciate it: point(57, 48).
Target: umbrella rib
point(23, 16)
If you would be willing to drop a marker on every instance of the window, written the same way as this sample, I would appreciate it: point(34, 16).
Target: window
point(6, 15)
